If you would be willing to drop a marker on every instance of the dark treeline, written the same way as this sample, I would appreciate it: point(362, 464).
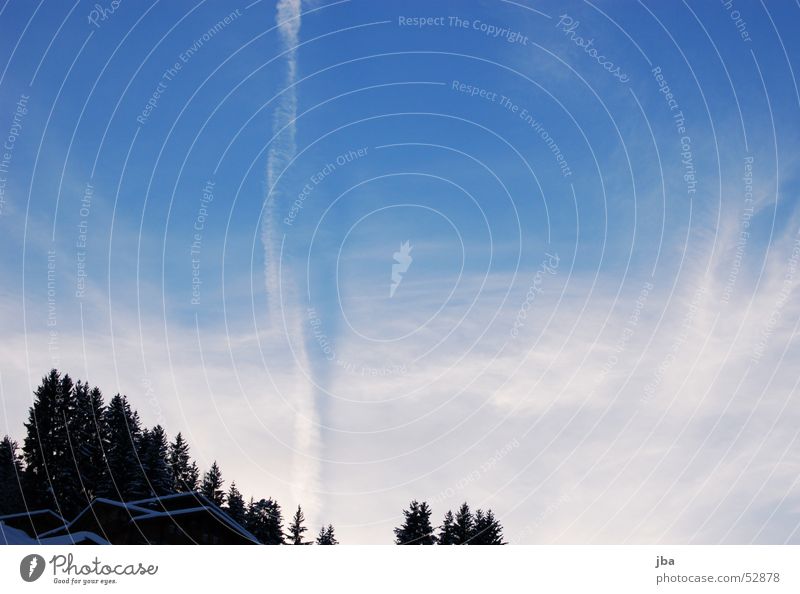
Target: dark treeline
point(77, 448)
point(463, 528)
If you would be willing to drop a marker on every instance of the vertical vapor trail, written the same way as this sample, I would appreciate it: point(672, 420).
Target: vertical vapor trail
point(305, 473)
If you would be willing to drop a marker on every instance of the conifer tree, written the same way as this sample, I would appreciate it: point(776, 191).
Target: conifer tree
point(90, 439)
point(265, 521)
point(65, 477)
point(156, 475)
point(274, 523)
point(478, 524)
point(416, 528)
point(235, 508)
point(447, 531)
point(184, 470)
point(122, 480)
point(51, 477)
point(326, 536)
point(251, 519)
point(38, 440)
point(10, 478)
point(296, 528)
point(487, 530)
point(212, 485)
point(464, 525)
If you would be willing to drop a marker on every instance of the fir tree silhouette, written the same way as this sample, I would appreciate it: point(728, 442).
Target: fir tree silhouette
point(123, 480)
point(265, 522)
point(296, 528)
point(11, 500)
point(90, 440)
point(326, 536)
point(185, 475)
point(51, 473)
point(487, 530)
point(156, 475)
point(212, 485)
point(447, 531)
point(416, 528)
point(463, 524)
point(235, 508)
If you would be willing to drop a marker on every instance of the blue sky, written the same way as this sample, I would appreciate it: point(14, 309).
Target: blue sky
point(594, 335)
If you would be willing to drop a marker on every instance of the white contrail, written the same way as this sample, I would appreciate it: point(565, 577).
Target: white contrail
point(283, 148)
point(305, 466)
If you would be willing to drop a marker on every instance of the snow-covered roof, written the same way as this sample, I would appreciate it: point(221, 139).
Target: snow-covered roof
point(130, 507)
point(137, 512)
point(15, 536)
point(74, 538)
point(35, 512)
point(64, 531)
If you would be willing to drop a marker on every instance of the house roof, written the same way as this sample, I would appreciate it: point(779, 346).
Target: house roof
point(212, 509)
point(15, 536)
point(34, 522)
point(65, 529)
point(81, 537)
point(33, 513)
point(169, 501)
point(143, 510)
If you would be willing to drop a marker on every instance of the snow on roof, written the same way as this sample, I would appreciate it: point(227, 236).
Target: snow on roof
point(31, 513)
point(74, 538)
point(15, 536)
point(65, 529)
point(130, 507)
point(137, 511)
